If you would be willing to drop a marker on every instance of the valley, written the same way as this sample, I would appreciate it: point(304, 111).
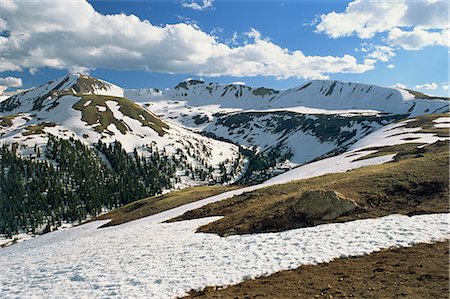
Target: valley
point(212, 185)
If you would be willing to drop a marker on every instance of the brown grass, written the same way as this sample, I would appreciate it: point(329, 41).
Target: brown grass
point(37, 129)
point(6, 120)
point(416, 182)
point(156, 204)
point(421, 271)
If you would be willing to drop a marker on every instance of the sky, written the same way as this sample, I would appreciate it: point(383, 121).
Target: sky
point(276, 44)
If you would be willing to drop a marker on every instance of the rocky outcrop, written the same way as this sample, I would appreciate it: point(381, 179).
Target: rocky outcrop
point(323, 205)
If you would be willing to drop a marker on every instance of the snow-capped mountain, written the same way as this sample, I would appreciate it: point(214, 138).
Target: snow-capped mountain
point(314, 97)
point(303, 123)
point(89, 109)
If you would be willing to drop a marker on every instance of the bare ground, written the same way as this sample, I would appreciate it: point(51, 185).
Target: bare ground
point(421, 271)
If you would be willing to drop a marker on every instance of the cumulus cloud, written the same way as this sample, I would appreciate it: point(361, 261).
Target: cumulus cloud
point(381, 53)
point(418, 38)
point(427, 86)
point(72, 35)
point(11, 81)
point(445, 86)
point(391, 66)
point(365, 18)
point(198, 5)
point(6, 82)
point(399, 85)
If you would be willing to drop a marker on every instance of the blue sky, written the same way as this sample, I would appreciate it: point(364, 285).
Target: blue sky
point(278, 44)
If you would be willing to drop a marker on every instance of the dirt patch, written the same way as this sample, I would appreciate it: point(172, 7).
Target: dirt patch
point(421, 271)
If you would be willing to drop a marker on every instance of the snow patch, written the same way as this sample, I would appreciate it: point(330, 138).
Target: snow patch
point(145, 258)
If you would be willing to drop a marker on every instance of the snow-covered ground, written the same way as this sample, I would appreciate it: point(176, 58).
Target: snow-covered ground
point(386, 136)
point(145, 258)
point(163, 260)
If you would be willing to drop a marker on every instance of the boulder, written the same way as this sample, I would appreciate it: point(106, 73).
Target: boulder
point(325, 205)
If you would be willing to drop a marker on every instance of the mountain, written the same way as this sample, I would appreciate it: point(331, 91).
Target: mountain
point(91, 110)
point(318, 118)
point(323, 95)
point(76, 146)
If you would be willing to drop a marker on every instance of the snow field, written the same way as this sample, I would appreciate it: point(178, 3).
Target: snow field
point(145, 258)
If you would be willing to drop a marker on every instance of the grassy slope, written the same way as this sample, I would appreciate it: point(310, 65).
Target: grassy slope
point(156, 204)
point(6, 120)
point(37, 129)
point(88, 105)
point(421, 271)
point(420, 95)
point(416, 182)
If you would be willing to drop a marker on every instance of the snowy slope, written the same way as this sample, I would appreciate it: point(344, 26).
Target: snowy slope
point(318, 94)
point(389, 135)
point(302, 137)
point(68, 85)
point(89, 109)
point(280, 122)
point(163, 260)
point(146, 258)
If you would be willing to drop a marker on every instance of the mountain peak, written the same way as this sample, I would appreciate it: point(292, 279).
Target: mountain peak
point(70, 84)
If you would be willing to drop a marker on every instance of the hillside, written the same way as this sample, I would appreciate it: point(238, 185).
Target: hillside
point(420, 162)
point(316, 119)
point(74, 147)
point(92, 110)
point(194, 134)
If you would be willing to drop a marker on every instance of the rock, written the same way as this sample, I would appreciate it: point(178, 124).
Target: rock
point(323, 205)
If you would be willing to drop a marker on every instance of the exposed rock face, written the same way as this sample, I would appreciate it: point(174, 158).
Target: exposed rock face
point(323, 205)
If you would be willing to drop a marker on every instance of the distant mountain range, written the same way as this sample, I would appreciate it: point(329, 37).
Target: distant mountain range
point(78, 145)
point(303, 123)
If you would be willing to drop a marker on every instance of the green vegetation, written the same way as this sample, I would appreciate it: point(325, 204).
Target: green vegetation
point(37, 129)
point(260, 164)
point(426, 122)
point(76, 184)
point(398, 150)
point(6, 120)
point(262, 91)
point(156, 204)
point(102, 117)
point(419, 95)
point(416, 182)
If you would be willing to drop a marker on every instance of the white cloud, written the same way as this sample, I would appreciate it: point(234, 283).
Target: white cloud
point(254, 34)
point(364, 18)
point(417, 38)
point(399, 85)
point(72, 35)
point(239, 83)
point(380, 53)
point(11, 81)
point(198, 5)
point(445, 86)
point(427, 86)
point(391, 66)
point(6, 82)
